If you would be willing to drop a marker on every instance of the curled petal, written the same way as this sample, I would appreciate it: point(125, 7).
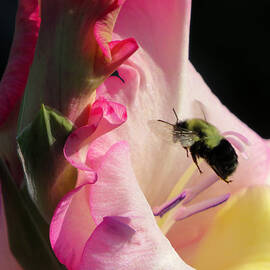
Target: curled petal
point(120, 51)
point(104, 116)
point(104, 25)
point(111, 112)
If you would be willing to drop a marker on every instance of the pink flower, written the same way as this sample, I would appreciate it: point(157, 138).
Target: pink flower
point(106, 222)
point(151, 83)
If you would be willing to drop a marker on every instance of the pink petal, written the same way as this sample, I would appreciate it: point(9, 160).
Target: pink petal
point(144, 102)
point(71, 226)
point(7, 261)
point(109, 236)
point(117, 194)
point(112, 246)
point(162, 30)
point(21, 56)
point(129, 238)
point(151, 89)
point(121, 51)
point(115, 52)
point(104, 25)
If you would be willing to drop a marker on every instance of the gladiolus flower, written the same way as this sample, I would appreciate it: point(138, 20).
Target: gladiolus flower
point(152, 95)
point(107, 220)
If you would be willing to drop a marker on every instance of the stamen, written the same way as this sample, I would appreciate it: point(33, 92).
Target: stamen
point(186, 196)
point(160, 211)
point(239, 146)
point(184, 212)
point(192, 192)
point(237, 135)
point(178, 212)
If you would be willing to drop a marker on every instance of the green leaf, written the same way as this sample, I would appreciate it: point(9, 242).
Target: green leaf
point(48, 175)
point(28, 233)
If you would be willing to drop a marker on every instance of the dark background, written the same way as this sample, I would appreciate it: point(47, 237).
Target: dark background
point(229, 46)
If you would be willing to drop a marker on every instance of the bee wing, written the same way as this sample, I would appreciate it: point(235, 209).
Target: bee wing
point(162, 130)
point(199, 110)
point(185, 137)
point(167, 133)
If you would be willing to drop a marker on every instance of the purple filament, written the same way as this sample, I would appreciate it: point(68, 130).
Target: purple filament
point(239, 146)
point(184, 212)
point(237, 135)
point(194, 191)
point(171, 204)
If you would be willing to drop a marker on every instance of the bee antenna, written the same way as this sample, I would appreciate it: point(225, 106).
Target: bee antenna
point(176, 116)
point(166, 122)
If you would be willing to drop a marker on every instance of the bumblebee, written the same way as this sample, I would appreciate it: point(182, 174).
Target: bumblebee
point(202, 140)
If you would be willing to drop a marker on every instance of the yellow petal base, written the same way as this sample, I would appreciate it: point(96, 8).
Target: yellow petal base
point(240, 236)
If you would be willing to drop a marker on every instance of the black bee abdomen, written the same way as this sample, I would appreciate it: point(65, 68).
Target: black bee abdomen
point(222, 158)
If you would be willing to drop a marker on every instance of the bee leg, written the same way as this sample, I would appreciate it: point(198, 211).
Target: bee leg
point(195, 161)
point(226, 180)
point(186, 150)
